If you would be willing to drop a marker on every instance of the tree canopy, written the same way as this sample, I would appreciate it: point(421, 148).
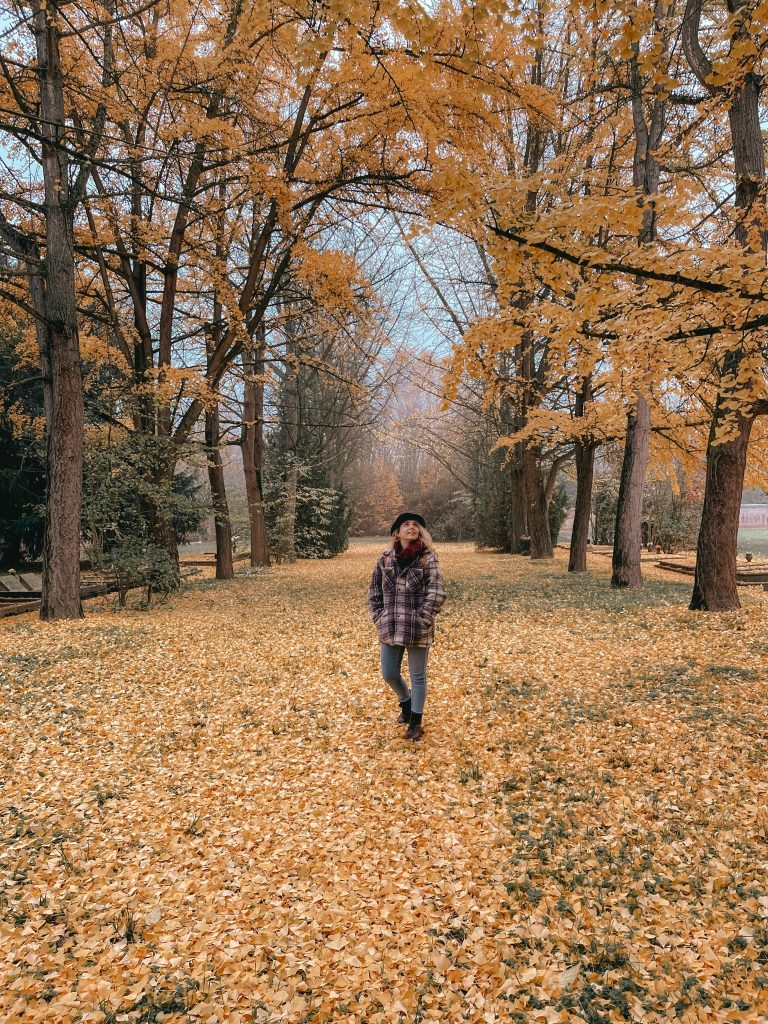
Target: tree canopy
point(213, 208)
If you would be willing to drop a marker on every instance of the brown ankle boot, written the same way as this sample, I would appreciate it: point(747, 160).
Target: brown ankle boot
point(415, 730)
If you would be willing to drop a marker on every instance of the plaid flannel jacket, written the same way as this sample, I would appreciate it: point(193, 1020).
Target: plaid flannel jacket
point(403, 605)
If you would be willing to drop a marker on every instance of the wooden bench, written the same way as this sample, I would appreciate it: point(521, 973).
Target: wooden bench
point(744, 577)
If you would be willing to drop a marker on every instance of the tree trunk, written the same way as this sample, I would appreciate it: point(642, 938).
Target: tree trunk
point(585, 464)
point(225, 569)
point(714, 588)
point(518, 521)
point(60, 342)
point(538, 520)
point(252, 447)
point(255, 496)
point(628, 538)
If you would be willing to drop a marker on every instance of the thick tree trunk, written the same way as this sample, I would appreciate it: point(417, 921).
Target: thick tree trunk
point(252, 447)
point(225, 569)
point(714, 588)
point(61, 551)
point(60, 344)
point(628, 538)
point(255, 496)
point(715, 578)
point(585, 464)
point(538, 519)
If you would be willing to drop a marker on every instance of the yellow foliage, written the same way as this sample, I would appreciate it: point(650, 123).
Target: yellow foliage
point(98, 351)
point(167, 384)
point(27, 352)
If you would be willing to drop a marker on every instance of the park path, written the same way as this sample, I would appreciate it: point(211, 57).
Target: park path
point(210, 814)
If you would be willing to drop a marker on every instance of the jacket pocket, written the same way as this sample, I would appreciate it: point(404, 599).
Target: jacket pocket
point(423, 626)
point(414, 579)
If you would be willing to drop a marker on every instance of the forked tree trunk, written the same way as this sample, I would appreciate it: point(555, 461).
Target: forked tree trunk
point(533, 499)
point(628, 536)
point(252, 447)
point(60, 343)
point(225, 569)
point(628, 539)
point(538, 519)
point(585, 465)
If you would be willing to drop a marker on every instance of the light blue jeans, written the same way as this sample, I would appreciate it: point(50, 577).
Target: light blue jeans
point(391, 662)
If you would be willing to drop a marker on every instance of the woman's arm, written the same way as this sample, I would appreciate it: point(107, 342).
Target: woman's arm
point(376, 592)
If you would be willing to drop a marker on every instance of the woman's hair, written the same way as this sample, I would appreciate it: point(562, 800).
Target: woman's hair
point(424, 535)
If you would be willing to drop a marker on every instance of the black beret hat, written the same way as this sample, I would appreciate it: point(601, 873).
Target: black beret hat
point(403, 517)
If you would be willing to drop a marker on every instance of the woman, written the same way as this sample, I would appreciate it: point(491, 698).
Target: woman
point(405, 595)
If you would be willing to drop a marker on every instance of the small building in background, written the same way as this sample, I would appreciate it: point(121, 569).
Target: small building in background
point(755, 516)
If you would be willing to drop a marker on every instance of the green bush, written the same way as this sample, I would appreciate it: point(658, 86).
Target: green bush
point(321, 523)
point(558, 510)
point(142, 565)
point(125, 494)
point(605, 498)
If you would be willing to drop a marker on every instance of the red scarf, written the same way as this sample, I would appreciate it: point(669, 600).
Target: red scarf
point(408, 554)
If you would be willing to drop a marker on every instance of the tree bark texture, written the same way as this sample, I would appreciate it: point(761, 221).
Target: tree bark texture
point(60, 347)
point(585, 465)
point(714, 587)
point(627, 544)
point(538, 520)
point(225, 569)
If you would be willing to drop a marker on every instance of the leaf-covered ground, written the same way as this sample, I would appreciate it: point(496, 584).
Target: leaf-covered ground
point(209, 813)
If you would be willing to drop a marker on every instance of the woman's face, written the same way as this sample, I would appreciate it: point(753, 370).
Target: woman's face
point(408, 532)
